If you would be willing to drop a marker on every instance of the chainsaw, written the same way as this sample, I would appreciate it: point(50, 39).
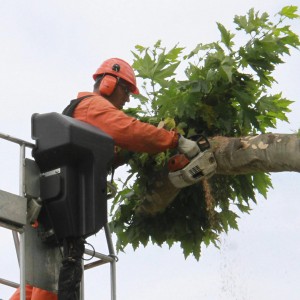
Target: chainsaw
point(184, 172)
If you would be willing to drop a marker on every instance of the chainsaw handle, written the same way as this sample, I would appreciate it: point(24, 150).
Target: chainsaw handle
point(202, 142)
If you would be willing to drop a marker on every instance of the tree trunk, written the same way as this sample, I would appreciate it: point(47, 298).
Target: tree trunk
point(261, 153)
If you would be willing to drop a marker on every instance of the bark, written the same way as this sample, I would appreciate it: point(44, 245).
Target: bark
point(261, 153)
point(156, 201)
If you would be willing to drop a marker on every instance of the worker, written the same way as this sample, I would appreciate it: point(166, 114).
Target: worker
point(114, 82)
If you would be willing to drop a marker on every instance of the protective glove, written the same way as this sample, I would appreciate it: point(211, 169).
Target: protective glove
point(187, 147)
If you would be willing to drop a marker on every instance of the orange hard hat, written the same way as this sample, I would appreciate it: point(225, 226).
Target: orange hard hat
point(118, 68)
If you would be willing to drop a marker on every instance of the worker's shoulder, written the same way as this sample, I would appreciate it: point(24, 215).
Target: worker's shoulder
point(88, 97)
point(98, 103)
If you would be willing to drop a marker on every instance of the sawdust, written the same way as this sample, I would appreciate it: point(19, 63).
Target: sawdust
point(209, 199)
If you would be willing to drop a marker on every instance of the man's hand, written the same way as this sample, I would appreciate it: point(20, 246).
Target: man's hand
point(188, 147)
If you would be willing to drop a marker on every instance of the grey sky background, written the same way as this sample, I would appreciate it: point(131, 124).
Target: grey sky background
point(50, 49)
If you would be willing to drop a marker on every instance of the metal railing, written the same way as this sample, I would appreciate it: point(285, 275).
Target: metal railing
point(19, 236)
point(19, 239)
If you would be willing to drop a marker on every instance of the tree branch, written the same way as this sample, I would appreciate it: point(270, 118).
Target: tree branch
point(261, 153)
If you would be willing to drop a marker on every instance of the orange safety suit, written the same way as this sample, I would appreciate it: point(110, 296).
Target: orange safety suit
point(33, 293)
point(127, 133)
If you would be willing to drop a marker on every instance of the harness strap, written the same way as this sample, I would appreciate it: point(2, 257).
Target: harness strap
point(69, 110)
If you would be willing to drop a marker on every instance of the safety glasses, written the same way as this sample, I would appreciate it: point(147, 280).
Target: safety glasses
point(125, 88)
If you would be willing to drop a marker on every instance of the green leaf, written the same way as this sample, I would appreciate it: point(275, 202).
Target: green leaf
point(252, 22)
point(226, 36)
point(141, 98)
point(289, 12)
point(262, 183)
point(174, 54)
point(243, 208)
point(228, 71)
point(165, 73)
point(187, 247)
point(140, 48)
point(157, 44)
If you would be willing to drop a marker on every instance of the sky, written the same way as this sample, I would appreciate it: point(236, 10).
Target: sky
point(49, 51)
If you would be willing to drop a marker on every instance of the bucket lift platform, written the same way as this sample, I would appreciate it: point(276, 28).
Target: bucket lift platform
point(71, 157)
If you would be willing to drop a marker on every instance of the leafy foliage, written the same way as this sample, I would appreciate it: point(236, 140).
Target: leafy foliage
point(226, 92)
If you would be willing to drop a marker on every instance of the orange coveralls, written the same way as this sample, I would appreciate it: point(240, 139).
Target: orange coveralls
point(127, 133)
point(33, 293)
